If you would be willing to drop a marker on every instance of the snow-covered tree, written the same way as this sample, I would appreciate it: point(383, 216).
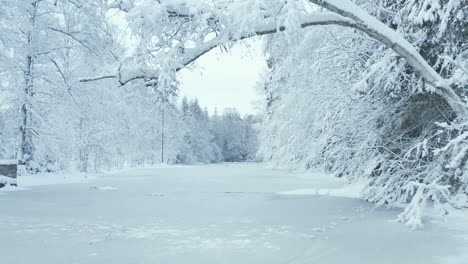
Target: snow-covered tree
point(238, 137)
point(366, 113)
point(198, 138)
point(38, 40)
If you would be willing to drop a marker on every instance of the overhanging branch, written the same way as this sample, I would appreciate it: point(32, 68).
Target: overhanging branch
point(343, 13)
point(190, 55)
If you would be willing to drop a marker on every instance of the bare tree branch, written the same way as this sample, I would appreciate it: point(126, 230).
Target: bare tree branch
point(74, 38)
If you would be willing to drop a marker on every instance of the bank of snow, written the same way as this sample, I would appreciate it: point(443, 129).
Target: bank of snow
point(328, 185)
point(28, 181)
point(349, 191)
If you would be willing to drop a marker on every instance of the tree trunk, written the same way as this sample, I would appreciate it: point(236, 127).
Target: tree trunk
point(162, 135)
point(26, 147)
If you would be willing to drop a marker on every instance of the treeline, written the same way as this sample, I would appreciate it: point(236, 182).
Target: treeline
point(139, 132)
point(226, 137)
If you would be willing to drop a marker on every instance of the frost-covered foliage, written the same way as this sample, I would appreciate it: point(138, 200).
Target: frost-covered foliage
point(364, 113)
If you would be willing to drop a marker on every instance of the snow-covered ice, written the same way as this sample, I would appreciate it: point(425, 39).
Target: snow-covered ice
point(327, 185)
point(28, 181)
point(104, 188)
point(8, 162)
point(227, 213)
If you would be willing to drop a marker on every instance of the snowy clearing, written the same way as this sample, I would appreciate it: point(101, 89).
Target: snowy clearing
point(104, 188)
point(227, 213)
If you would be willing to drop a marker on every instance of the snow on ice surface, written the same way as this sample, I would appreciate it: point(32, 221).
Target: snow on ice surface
point(210, 214)
point(28, 181)
point(331, 186)
point(104, 188)
point(8, 162)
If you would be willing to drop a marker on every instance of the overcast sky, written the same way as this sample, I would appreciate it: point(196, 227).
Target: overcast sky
point(226, 79)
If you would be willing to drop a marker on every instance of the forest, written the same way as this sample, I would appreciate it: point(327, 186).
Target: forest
point(68, 125)
point(372, 91)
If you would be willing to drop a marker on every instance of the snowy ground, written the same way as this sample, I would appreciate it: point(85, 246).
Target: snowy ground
point(236, 213)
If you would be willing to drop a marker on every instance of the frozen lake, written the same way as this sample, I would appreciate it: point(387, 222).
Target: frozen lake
point(208, 214)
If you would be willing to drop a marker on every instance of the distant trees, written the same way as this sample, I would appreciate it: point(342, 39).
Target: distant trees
point(110, 128)
point(237, 136)
point(217, 138)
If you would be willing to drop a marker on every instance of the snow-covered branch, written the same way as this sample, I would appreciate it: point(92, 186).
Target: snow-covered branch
point(343, 13)
point(192, 54)
point(395, 41)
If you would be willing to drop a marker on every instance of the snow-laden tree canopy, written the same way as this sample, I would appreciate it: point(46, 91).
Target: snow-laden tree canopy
point(345, 103)
point(173, 34)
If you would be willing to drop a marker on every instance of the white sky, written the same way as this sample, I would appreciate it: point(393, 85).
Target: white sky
point(226, 79)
